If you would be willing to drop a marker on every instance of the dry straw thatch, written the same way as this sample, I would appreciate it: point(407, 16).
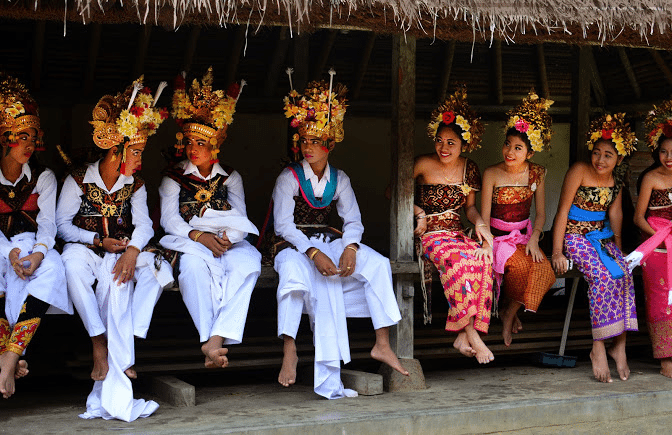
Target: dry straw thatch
point(628, 22)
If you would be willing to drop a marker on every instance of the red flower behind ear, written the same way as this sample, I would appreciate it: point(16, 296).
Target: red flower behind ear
point(448, 117)
point(667, 130)
point(233, 90)
point(607, 134)
point(179, 83)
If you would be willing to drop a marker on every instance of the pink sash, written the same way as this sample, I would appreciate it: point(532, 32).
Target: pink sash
point(663, 233)
point(504, 246)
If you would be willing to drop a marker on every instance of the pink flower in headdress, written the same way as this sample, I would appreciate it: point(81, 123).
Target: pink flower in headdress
point(294, 123)
point(448, 117)
point(607, 134)
point(522, 126)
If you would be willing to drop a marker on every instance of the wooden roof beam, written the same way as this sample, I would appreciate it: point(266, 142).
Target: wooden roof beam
point(543, 76)
point(596, 80)
point(277, 61)
point(323, 55)
point(141, 52)
point(236, 52)
point(190, 50)
point(94, 46)
point(38, 55)
point(448, 56)
point(661, 65)
point(363, 65)
point(629, 72)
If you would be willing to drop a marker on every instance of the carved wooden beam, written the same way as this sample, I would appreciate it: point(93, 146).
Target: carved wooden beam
point(363, 64)
point(629, 72)
point(277, 62)
point(661, 65)
point(323, 55)
point(448, 55)
point(141, 52)
point(543, 76)
point(580, 104)
point(94, 46)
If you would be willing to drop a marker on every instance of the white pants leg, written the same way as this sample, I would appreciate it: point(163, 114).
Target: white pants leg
point(146, 295)
point(293, 289)
point(80, 266)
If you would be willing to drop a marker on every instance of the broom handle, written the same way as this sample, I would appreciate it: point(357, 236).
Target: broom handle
point(568, 316)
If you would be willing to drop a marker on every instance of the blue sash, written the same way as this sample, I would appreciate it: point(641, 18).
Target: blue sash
point(594, 237)
point(306, 187)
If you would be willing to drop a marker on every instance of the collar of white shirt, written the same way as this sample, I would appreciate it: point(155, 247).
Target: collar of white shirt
point(25, 170)
point(191, 169)
point(93, 176)
point(318, 185)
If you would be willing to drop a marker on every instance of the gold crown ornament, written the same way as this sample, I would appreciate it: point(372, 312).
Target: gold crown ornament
point(613, 128)
point(318, 112)
point(128, 118)
point(531, 118)
point(204, 112)
point(18, 111)
point(659, 123)
point(455, 110)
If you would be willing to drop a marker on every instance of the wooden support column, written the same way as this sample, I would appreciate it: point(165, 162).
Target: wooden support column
point(363, 65)
point(141, 52)
point(94, 45)
point(401, 211)
point(580, 104)
point(596, 80)
point(498, 79)
point(236, 52)
point(543, 76)
point(38, 55)
point(277, 63)
point(190, 50)
point(629, 72)
point(323, 55)
point(448, 56)
point(661, 65)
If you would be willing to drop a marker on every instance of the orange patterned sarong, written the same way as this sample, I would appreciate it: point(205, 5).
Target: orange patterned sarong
point(525, 281)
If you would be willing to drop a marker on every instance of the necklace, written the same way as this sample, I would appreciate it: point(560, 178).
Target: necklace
point(453, 176)
point(518, 178)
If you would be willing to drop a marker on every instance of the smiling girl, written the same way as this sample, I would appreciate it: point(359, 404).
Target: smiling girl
point(653, 215)
point(31, 272)
point(445, 183)
point(509, 189)
point(587, 230)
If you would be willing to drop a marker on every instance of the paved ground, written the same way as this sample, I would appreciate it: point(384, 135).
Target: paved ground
point(507, 397)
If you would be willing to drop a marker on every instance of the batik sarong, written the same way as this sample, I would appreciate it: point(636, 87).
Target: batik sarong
point(658, 308)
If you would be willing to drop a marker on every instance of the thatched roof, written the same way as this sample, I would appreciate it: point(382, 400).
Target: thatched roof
point(621, 22)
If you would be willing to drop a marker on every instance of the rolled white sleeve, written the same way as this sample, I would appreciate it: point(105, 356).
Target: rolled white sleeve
point(143, 224)
point(46, 188)
point(171, 219)
point(68, 205)
point(348, 210)
point(286, 188)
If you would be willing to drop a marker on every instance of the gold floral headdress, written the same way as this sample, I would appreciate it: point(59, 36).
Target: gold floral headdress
point(318, 112)
point(128, 118)
point(18, 111)
point(204, 112)
point(455, 109)
point(615, 129)
point(532, 119)
point(659, 123)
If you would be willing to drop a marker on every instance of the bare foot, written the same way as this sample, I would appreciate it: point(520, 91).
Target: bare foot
point(21, 369)
point(461, 343)
point(598, 357)
point(131, 373)
point(290, 359)
point(617, 352)
point(8, 363)
point(386, 355)
point(483, 354)
point(517, 325)
point(100, 366)
point(666, 367)
point(215, 354)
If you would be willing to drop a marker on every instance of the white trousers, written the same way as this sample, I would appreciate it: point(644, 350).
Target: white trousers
point(217, 293)
point(46, 284)
point(368, 292)
point(120, 311)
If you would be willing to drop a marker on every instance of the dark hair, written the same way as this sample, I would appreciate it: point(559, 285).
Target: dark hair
point(522, 136)
point(655, 155)
point(452, 127)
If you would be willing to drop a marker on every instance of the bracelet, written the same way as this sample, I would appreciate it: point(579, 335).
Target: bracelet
point(352, 247)
point(134, 247)
point(617, 236)
point(198, 234)
point(421, 217)
point(100, 242)
point(556, 253)
point(313, 254)
point(38, 244)
point(481, 225)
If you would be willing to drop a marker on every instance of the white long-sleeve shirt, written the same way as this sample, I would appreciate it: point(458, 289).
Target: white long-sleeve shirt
point(70, 201)
point(287, 187)
point(45, 187)
point(169, 192)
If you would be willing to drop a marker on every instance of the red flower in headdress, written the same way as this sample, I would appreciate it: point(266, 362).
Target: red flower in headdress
point(151, 126)
point(137, 111)
point(310, 116)
point(233, 90)
point(607, 134)
point(448, 117)
point(179, 83)
point(146, 90)
point(294, 123)
point(164, 113)
point(667, 129)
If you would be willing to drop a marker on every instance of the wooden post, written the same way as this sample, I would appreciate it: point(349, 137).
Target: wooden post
point(141, 51)
point(499, 81)
point(190, 50)
point(543, 76)
point(323, 55)
point(629, 72)
point(94, 45)
point(401, 211)
point(236, 51)
point(301, 59)
point(38, 55)
point(363, 65)
point(581, 77)
point(277, 63)
point(448, 55)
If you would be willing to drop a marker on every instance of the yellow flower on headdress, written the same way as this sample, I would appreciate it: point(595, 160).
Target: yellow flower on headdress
point(531, 118)
point(659, 122)
point(615, 129)
point(455, 109)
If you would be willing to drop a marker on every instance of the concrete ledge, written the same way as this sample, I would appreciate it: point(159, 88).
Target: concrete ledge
point(172, 390)
point(395, 381)
point(366, 384)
